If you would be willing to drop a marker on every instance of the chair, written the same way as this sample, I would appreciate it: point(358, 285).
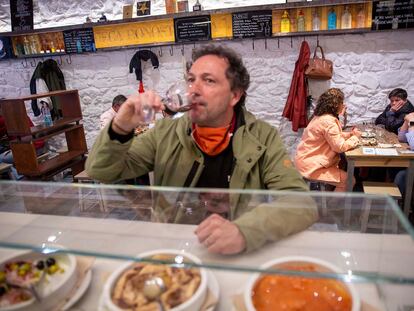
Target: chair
point(83, 177)
point(318, 185)
point(6, 168)
point(379, 188)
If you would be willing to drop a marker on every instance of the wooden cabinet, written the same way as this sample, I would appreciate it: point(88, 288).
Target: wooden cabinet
point(23, 135)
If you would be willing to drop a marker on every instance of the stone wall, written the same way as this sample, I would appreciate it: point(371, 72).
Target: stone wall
point(367, 67)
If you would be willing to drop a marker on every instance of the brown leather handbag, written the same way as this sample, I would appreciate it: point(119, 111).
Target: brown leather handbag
point(319, 68)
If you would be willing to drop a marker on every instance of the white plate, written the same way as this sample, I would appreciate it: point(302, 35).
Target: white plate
point(79, 293)
point(212, 285)
point(385, 145)
point(368, 135)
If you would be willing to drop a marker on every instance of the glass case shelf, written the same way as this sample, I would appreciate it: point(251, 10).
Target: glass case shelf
point(367, 238)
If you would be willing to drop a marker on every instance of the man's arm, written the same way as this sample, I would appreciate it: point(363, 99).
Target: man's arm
point(115, 155)
point(285, 215)
point(381, 118)
point(410, 138)
point(393, 121)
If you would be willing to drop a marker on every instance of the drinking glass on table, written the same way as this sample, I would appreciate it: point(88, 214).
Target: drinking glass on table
point(369, 126)
point(379, 131)
point(176, 99)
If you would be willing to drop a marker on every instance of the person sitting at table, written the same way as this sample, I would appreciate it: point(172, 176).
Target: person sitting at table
point(216, 144)
point(393, 115)
point(108, 115)
point(405, 135)
point(318, 153)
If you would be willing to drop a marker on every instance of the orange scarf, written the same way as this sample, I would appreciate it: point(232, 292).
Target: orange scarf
point(213, 140)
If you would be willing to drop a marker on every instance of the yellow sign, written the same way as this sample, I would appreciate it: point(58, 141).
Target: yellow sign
point(157, 31)
point(221, 26)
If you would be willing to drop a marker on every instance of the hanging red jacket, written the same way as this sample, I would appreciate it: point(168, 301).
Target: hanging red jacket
point(295, 108)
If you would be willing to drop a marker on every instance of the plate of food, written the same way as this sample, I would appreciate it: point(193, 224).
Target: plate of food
point(369, 142)
point(368, 135)
point(295, 292)
point(179, 288)
point(35, 281)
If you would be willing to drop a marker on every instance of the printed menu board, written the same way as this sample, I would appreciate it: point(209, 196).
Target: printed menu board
point(79, 40)
point(195, 28)
point(392, 14)
point(254, 24)
point(21, 12)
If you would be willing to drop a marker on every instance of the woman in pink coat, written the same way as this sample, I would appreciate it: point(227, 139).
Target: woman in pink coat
point(317, 155)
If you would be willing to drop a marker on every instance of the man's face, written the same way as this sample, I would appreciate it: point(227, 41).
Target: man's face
point(210, 92)
point(397, 103)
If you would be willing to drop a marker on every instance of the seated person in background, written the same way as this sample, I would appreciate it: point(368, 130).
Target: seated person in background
point(317, 156)
point(216, 144)
point(393, 115)
point(108, 115)
point(405, 135)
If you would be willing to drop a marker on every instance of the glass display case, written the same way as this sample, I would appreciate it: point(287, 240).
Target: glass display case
point(362, 241)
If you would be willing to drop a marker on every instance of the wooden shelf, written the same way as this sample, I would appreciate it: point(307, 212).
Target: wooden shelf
point(276, 6)
point(22, 146)
point(56, 162)
point(43, 95)
point(61, 125)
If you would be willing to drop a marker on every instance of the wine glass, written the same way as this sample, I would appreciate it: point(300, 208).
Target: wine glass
point(379, 131)
point(176, 99)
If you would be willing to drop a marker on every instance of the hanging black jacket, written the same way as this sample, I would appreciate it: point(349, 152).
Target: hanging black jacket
point(50, 72)
point(393, 120)
point(135, 62)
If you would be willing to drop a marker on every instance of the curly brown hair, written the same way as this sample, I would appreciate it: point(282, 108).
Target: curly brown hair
point(329, 102)
point(236, 73)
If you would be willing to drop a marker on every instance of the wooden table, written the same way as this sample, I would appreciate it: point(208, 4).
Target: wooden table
point(356, 158)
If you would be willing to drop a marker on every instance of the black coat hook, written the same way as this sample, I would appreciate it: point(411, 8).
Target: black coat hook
point(278, 43)
point(182, 50)
point(265, 44)
point(291, 42)
point(171, 50)
point(33, 63)
point(24, 64)
point(253, 44)
point(160, 52)
point(59, 60)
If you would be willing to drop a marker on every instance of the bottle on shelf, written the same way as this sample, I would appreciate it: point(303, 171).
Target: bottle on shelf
point(26, 46)
point(316, 21)
point(293, 22)
point(197, 6)
point(361, 18)
point(19, 46)
point(301, 21)
point(332, 19)
point(33, 46)
point(79, 46)
point(52, 46)
point(43, 44)
point(36, 41)
point(395, 22)
point(285, 22)
point(346, 19)
point(47, 117)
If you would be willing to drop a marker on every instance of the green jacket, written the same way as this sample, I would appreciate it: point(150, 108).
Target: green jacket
point(169, 151)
